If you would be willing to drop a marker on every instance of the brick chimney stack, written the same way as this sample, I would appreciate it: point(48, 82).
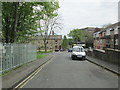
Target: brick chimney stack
point(53, 33)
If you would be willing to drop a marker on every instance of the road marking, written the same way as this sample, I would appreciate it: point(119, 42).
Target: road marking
point(30, 78)
point(24, 82)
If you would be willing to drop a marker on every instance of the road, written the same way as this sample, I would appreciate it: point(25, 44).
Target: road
point(62, 72)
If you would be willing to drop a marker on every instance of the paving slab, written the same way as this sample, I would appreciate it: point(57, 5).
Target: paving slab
point(110, 66)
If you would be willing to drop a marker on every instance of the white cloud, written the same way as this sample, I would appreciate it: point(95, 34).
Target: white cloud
point(96, 1)
point(83, 13)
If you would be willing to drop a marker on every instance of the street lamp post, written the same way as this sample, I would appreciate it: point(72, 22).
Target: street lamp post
point(85, 40)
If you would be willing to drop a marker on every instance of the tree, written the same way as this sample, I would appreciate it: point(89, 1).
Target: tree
point(47, 20)
point(27, 25)
point(0, 22)
point(65, 43)
point(106, 25)
point(18, 21)
point(88, 38)
point(21, 20)
point(76, 35)
point(70, 42)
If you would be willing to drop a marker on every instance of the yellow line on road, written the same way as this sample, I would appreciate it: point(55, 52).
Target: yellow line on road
point(30, 78)
point(24, 82)
point(26, 79)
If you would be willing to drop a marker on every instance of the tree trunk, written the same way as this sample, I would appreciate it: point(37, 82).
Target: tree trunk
point(14, 26)
point(7, 31)
point(45, 47)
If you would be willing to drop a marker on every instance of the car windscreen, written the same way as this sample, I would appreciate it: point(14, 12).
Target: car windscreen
point(78, 49)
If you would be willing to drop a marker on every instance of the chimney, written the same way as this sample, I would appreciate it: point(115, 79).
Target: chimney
point(53, 33)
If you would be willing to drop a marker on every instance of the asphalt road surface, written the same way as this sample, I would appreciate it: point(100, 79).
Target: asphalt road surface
point(63, 72)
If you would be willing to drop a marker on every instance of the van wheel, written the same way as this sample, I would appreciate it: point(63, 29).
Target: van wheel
point(72, 57)
point(83, 58)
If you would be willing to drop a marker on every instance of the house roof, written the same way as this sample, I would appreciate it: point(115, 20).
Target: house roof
point(104, 29)
point(97, 30)
point(113, 25)
point(90, 29)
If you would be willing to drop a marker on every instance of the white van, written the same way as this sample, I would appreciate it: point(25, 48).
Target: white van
point(78, 52)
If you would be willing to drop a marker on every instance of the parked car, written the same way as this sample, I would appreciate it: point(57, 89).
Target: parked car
point(70, 49)
point(56, 50)
point(78, 52)
point(61, 50)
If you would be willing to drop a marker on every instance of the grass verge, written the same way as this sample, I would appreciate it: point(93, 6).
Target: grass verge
point(43, 52)
point(39, 56)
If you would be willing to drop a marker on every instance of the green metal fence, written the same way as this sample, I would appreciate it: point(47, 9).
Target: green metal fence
point(14, 55)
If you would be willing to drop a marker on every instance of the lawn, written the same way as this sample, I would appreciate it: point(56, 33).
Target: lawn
point(43, 52)
point(39, 56)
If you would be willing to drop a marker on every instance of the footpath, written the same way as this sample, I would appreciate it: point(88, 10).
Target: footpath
point(107, 65)
point(21, 73)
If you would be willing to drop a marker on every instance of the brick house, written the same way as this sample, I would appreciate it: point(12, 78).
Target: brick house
point(108, 37)
point(103, 39)
point(96, 36)
point(113, 36)
point(54, 42)
point(119, 36)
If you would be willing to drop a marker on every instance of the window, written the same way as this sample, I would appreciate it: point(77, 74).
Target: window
point(56, 47)
point(116, 30)
point(94, 34)
point(107, 41)
point(108, 31)
point(56, 41)
point(78, 49)
point(116, 42)
point(101, 41)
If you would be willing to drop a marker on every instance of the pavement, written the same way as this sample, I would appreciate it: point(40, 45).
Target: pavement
point(107, 65)
point(19, 74)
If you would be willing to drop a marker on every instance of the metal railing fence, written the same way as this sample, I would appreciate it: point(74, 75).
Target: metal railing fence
point(14, 55)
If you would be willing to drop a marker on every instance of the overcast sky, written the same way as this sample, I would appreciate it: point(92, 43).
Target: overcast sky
point(87, 13)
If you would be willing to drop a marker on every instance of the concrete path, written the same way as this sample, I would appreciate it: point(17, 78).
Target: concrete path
point(110, 66)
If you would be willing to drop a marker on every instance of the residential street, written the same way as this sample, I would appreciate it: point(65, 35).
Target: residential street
point(42, 41)
point(63, 72)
